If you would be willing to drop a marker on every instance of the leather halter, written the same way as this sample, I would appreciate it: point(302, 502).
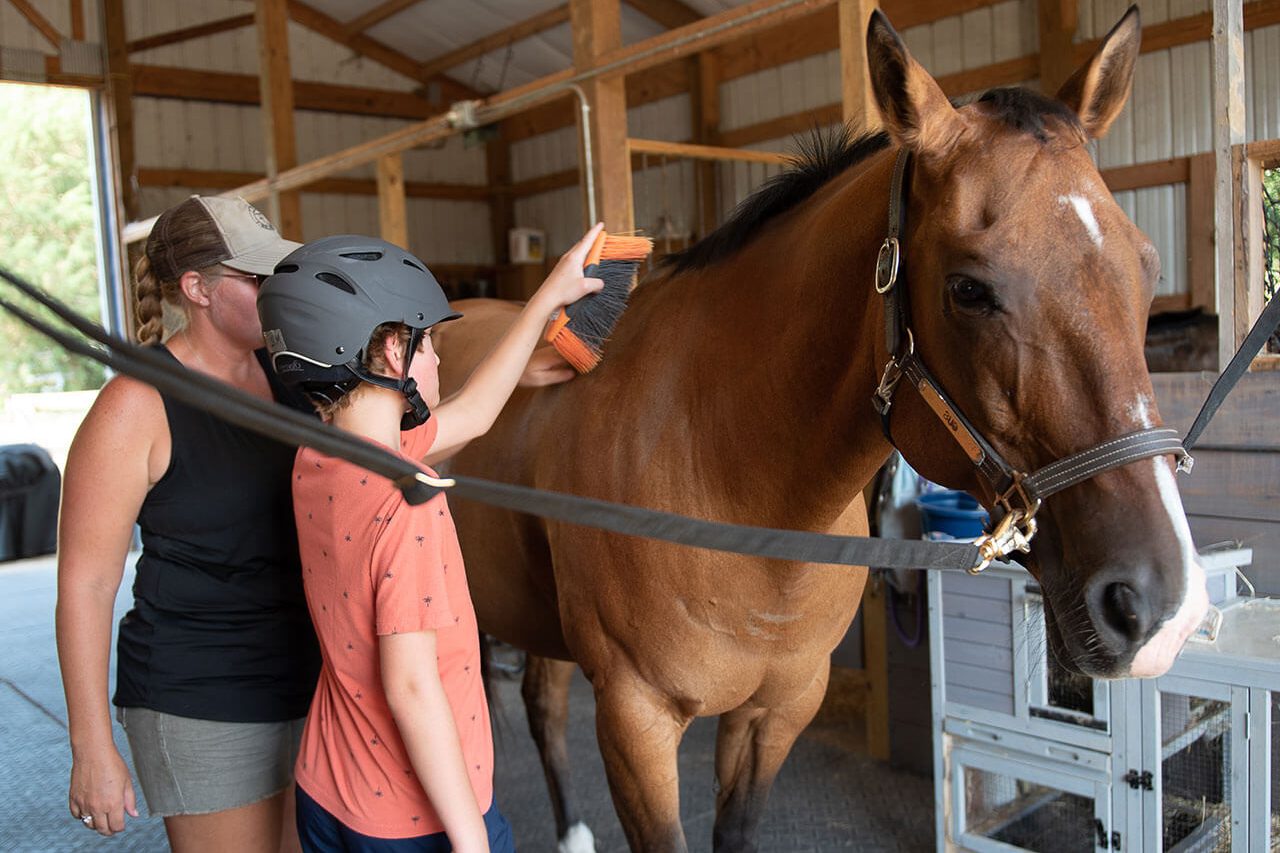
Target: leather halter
point(1019, 495)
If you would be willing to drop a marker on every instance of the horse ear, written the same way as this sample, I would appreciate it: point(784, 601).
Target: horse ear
point(1099, 88)
point(915, 110)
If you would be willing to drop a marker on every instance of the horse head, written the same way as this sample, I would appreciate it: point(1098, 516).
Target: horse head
point(1028, 292)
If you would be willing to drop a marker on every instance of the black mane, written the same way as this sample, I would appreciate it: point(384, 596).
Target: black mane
point(823, 154)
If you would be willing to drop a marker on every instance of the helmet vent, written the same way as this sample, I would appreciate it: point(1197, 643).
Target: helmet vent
point(336, 280)
point(409, 263)
point(362, 256)
point(286, 268)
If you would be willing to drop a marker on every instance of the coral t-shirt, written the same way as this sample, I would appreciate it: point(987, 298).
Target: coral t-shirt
point(373, 565)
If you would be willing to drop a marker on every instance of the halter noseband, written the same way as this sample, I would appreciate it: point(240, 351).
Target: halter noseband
point(1019, 495)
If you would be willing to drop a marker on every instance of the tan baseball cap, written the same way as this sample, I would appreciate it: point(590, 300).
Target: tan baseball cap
point(239, 236)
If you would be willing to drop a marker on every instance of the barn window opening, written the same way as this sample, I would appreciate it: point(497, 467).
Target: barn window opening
point(50, 219)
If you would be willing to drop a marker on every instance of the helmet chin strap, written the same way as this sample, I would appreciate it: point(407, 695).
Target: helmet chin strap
point(417, 413)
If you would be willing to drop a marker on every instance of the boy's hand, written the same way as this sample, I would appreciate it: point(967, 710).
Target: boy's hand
point(567, 284)
point(546, 367)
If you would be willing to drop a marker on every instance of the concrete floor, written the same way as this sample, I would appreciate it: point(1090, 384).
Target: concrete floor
point(829, 796)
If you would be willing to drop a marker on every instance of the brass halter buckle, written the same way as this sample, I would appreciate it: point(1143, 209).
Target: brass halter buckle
point(1015, 530)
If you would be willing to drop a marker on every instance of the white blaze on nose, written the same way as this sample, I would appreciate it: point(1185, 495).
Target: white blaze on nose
point(1140, 411)
point(1157, 654)
point(1084, 210)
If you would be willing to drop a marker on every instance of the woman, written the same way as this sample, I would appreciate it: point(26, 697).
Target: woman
point(217, 659)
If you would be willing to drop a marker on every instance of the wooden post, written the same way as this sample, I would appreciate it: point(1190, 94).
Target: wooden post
point(596, 31)
point(1200, 226)
point(120, 103)
point(704, 99)
point(1228, 131)
point(859, 110)
point(276, 86)
point(77, 19)
point(1058, 23)
point(502, 209)
point(392, 219)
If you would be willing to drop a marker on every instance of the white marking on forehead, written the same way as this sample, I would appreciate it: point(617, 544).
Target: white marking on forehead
point(1140, 411)
point(1084, 210)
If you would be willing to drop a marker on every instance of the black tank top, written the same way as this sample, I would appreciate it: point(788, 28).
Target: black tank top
point(219, 629)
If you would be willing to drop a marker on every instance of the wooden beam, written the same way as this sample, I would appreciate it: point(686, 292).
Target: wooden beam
point(1157, 173)
point(502, 213)
point(685, 150)
point(276, 93)
point(1058, 20)
point(858, 100)
point(502, 38)
point(120, 98)
point(668, 13)
point(393, 221)
point(40, 22)
point(376, 14)
point(1228, 131)
point(77, 19)
point(160, 81)
point(187, 33)
point(704, 103)
point(216, 179)
point(597, 32)
point(1200, 232)
point(330, 28)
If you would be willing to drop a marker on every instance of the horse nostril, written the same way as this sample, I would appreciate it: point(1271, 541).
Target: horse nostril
point(1124, 611)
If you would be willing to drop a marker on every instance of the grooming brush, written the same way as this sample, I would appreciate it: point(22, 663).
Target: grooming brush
point(580, 331)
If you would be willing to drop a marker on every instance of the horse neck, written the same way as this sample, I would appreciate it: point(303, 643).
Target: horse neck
point(800, 350)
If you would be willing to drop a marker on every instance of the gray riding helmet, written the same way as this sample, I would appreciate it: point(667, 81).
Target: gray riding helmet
point(325, 299)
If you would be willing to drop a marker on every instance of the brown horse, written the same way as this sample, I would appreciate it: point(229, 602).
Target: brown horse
point(737, 387)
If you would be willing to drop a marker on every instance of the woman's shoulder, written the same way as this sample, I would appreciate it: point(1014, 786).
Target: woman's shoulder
point(128, 405)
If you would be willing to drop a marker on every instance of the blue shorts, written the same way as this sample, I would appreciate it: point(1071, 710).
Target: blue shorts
point(321, 832)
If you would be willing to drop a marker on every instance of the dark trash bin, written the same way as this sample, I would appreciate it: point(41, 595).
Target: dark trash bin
point(30, 486)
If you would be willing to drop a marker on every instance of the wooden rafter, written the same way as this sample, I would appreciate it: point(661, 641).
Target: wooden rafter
point(377, 14)
point(317, 21)
point(668, 13)
point(77, 19)
point(189, 84)
point(217, 179)
point(276, 92)
point(194, 32)
point(40, 22)
point(493, 41)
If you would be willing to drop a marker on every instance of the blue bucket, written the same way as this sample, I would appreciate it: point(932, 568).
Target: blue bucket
point(951, 513)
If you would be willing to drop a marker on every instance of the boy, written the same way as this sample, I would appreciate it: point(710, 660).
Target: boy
point(397, 752)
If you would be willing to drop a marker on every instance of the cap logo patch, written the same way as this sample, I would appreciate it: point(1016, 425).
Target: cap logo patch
point(258, 217)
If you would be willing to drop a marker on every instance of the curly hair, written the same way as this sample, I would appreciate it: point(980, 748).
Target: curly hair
point(374, 357)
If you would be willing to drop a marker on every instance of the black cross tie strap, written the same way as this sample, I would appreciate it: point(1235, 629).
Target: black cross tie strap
point(283, 424)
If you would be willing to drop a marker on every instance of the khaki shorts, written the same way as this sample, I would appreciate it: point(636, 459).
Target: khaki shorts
point(191, 766)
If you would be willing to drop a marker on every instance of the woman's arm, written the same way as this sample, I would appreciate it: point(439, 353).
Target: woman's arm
point(109, 470)
point(471, 412)
point(424, 717)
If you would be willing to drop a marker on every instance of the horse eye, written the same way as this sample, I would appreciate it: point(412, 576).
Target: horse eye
point(971, 295)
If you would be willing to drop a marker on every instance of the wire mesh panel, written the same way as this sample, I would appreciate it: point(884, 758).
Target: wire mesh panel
point(1027, 815)
point(1275, 772)
point(1196, 773)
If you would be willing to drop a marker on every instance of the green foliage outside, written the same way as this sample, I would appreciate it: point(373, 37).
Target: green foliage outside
point(1271, 245)
point(48, 226)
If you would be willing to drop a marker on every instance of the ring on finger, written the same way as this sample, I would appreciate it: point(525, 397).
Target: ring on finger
point(87, 820)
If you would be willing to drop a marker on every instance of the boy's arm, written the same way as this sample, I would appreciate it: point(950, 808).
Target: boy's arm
point(469, 413)
point(425, 720)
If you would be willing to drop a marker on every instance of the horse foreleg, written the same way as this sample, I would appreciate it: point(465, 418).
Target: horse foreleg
point(546, 703)
point(751, 744)
point(639, 734)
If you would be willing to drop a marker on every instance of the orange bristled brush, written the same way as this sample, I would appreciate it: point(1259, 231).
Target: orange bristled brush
point(579, 333)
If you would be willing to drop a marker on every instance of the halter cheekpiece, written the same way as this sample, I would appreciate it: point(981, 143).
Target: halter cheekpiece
point(1019, 495)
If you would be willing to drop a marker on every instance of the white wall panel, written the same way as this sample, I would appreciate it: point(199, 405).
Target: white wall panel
point(1262, 82)
point(558, 213)
point(545, 154)
point(670, 119)
point(18, 33)
point(1191, 98)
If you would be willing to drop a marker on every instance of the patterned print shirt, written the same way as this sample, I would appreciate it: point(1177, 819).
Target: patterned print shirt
point(373, 565)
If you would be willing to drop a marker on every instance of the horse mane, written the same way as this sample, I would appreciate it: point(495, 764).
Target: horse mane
point(822, 154)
